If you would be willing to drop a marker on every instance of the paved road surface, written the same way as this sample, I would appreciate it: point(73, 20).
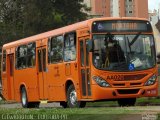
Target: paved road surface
point(18, 105)
point(155, 109)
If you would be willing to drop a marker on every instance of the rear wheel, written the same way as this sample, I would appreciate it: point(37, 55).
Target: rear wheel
point(72, 98)
point(63, 104)
point(127, 102)
point(24, 100)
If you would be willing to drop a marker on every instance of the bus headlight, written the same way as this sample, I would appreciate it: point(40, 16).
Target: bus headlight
point(151, 80)
point(101, 82)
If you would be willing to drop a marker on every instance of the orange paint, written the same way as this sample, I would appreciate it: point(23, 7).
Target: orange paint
point(49, 81)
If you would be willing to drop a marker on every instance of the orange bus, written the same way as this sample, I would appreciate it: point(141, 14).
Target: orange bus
point(94, 60)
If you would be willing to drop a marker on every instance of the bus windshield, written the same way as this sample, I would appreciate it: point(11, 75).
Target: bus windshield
point(123, 52)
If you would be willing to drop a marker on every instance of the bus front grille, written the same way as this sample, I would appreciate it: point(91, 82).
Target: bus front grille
point(119, 85)
point(134, 77)
point(128, 91)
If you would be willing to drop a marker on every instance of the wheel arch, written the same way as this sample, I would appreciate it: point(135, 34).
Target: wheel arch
point(67, 84)
point(22, 85)
point(20, 88)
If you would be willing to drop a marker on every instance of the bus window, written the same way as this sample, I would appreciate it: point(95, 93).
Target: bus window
point(119, 52)
point(70, 47)
point(21, 54)
point(31, 54)
point(39, 61)
point(87, 53)
point(4, 61)
point(44, 59)
point(11, 63)
point(55, 49)
point(49, 50)
point(82, 53)
point(83, 82)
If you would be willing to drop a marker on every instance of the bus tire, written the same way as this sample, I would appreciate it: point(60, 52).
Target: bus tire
point(63, 104)
point(127, 102)
point(24, 100)
point(72, 98)
point(34, 105)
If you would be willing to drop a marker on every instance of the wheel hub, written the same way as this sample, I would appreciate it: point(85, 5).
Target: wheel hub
point(73, 97)
point(23, 99)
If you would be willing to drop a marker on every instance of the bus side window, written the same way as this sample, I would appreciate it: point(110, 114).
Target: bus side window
point(49, 50)
point(4, 61)
point(82, 53)
point(21, 54)
point(70, 47)
point(31, 47)
point(55, 49)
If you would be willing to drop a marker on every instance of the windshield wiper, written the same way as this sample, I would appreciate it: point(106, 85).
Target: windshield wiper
point(134, 39)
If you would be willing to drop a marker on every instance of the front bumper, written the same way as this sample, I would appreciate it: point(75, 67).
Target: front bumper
point(100, 93)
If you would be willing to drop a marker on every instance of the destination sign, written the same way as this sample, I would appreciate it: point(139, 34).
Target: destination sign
point(121, 26)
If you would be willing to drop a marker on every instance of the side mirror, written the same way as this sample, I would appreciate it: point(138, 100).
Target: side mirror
point(90, 45)
point(158, 58)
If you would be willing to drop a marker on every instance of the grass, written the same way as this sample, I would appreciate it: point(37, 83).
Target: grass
point(148, 101)
point(2, 102)
point(93, 111)
point(78, 111)
point(73, 114)
point(140, 102)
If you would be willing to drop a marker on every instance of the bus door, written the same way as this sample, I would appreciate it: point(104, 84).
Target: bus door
point(10, 77)
point(42, 72)
point(84, 67)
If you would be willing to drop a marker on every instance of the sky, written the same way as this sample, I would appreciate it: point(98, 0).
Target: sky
point(153, 4)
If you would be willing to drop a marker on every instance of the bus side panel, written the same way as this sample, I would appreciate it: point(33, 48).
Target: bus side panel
point(10, 77)
point(58, 75)
point(7, 77)
point(28, 78)
point(4, 75)
point(74, 77)
point(4, 85)
point(56, 81)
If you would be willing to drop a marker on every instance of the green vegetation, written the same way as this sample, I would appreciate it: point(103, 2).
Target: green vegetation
point(140, 102)
point(113, 110)
point(108, 110)
point(23, 18)
point(74, 114)
point(97, 113)
point(2, 102)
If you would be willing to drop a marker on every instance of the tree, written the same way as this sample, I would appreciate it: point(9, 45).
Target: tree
point(71, 10)
point(23, 18)
point(10, 14)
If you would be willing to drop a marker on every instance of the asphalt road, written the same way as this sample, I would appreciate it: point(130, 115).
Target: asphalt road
point(57, 105)
point(18, 105)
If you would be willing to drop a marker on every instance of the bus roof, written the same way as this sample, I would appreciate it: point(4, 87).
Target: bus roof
point(69, 28)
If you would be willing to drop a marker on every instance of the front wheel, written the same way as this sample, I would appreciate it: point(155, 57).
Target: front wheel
point(24, 100)
point(127, 102)
point(72, 98)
